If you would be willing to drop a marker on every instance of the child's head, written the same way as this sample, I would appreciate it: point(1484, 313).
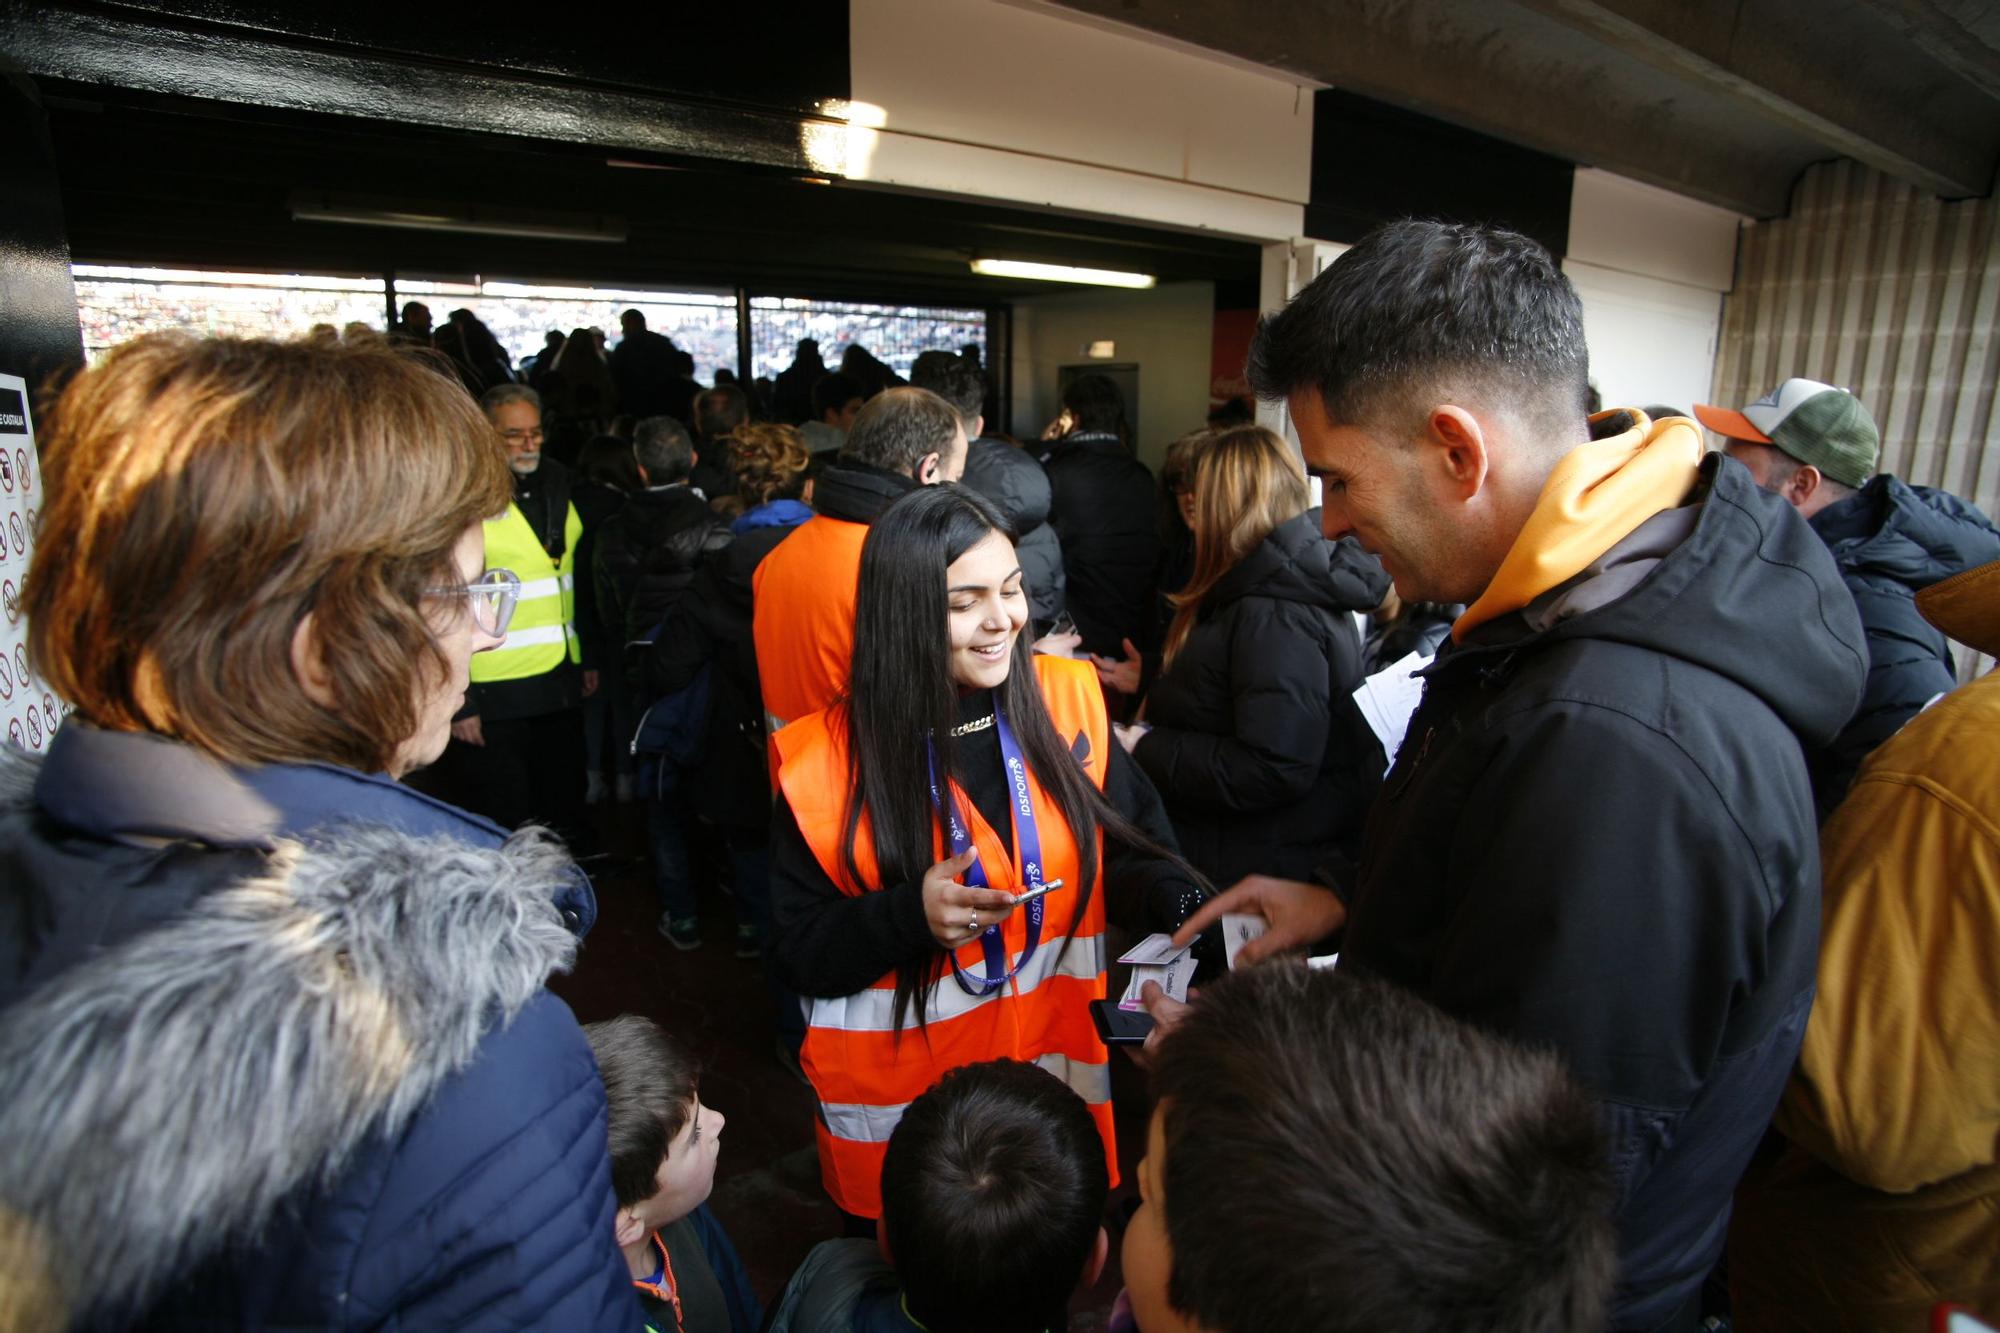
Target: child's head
point(663, 1140)
point(1331, 1153)
point(992, 1195)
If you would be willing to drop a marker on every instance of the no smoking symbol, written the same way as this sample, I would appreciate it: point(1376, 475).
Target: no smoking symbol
point(21, 467)
point(10, 601)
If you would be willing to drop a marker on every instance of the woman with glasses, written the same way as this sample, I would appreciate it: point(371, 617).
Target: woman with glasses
point(947, 841)
point(275, 1048)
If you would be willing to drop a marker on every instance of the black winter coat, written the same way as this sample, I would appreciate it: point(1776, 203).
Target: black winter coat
point(1891, 541)
point(711, 626)
point(1019, 488)
point(1265, 762)
point(1598, 837)
point(647, 553)
point(1105, 508)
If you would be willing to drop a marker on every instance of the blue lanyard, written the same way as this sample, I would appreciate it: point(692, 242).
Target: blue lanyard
point(1026, 841)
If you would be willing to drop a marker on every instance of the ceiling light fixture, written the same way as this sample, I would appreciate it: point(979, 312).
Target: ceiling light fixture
point(1095, 277)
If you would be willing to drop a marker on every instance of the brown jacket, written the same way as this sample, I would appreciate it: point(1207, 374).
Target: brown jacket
point(1886, 1199)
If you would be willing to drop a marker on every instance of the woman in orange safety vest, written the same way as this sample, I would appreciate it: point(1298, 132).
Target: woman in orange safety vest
point(915, 819)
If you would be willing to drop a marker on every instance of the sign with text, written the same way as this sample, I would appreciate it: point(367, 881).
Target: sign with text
point(29, 710)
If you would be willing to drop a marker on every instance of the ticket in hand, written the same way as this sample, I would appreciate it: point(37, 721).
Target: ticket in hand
point(1238, 929)
point(1173, 977)
point(1153, 951)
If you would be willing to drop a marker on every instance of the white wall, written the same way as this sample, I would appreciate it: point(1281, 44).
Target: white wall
point(1032, 105)
point(1651, 267)
point(1167, 332)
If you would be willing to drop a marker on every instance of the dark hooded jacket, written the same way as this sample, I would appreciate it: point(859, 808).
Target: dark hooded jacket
point(1018, 487)
point(275, 1046)
point(647, 553)
point(1891, 541)
point(1264, 761)
point(1598, 836)
point(1105, 508)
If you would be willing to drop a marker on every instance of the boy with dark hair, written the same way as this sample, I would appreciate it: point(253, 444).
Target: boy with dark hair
point(664, 1145)
point(992, 1192)
point(1330, 1153)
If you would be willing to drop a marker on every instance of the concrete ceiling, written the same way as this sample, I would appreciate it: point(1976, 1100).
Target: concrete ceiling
point(1723, 100)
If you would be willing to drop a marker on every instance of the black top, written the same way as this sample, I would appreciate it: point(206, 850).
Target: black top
point(828, 944)
point(1265, 761)
point(1105, 508)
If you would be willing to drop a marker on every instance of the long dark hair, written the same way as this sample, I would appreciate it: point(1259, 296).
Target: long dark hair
point(901, 695)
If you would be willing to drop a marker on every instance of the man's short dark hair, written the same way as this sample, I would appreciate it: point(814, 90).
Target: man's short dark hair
point(662, 446)
point(649, 1090)
point(992, 1194)
point(954, 381)
point(719, 411)
point(1094, 403)
point(833, 391)
point(1424, 1176)
point(897, 427)
point(1419, 312)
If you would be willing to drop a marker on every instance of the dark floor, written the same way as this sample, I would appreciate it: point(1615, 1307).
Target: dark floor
point(767, 1190)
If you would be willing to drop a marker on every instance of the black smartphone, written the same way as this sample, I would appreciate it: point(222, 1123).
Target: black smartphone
point(1119, 1027)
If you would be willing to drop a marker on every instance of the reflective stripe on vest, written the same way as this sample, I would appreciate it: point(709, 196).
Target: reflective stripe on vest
point(874, 1009)
point(861, 1123)
point(543, 630)
point(862, 1068)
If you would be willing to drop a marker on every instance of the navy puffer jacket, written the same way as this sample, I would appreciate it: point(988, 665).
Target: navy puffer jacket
point(276, 1047)
point(1891, 541)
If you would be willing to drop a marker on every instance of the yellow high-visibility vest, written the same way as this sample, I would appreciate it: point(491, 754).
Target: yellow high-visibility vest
point(544, 626)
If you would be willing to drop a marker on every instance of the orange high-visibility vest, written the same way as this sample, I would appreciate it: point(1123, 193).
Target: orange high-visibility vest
point(865, 1072)
point(803, 616)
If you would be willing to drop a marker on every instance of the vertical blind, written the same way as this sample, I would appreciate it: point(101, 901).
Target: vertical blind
point(1887, 290)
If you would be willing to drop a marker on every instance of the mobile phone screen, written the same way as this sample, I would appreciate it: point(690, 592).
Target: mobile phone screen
point(1119, 1027)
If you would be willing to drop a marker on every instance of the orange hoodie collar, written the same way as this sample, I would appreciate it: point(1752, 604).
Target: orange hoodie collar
point(1598, 494)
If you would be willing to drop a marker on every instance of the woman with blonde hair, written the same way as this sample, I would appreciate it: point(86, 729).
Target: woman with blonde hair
point(275, 1044)
point(1250, 733)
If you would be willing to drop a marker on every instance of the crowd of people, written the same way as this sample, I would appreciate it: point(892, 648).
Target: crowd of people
point(1661, 997)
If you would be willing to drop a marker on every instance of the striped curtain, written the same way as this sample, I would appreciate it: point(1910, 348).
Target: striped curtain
point(1884, 289)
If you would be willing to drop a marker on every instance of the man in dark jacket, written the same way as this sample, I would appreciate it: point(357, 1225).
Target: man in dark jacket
point(1011, 479)
point(1816, 446)
point(1105, 509)
point(642, 368)
point(793, 392)
point(646, 553)
point(1599, 835)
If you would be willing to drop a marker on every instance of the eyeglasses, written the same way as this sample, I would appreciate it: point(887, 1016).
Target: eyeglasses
point(492, 595)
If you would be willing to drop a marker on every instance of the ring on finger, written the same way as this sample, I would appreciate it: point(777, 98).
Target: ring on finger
point(972, 922)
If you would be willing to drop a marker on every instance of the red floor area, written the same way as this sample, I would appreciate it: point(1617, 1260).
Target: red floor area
point(767, 1190)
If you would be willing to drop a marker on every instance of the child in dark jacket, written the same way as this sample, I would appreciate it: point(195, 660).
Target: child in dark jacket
point(664, 1145)
point(991, 1194)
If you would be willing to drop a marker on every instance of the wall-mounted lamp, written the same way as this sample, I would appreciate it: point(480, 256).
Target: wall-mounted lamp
point(1096, 277)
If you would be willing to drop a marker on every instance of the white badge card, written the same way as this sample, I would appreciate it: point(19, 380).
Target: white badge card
point(1152, 951)
point(1238, 929)
point(1173, 977)
point(29, 710)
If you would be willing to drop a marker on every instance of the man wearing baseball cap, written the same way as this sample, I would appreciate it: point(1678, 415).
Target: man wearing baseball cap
point(1816, 446)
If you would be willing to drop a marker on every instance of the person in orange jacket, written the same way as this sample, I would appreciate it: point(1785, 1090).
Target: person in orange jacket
point(940, 859)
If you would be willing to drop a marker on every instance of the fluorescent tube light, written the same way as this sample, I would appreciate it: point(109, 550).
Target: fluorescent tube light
point(1096, 277)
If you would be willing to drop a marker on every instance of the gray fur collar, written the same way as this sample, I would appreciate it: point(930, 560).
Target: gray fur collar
point(161, 1099)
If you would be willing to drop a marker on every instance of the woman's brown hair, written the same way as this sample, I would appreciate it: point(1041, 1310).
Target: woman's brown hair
point(769, 462)
point(1246, 482)
point(206, 495)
